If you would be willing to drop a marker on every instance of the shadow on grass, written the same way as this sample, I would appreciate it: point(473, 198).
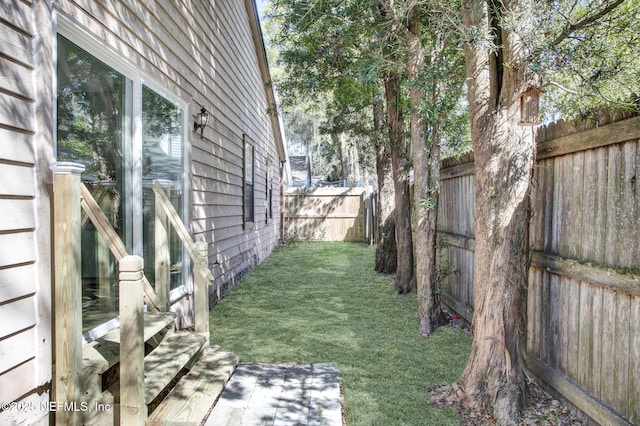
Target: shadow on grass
point(323, 303)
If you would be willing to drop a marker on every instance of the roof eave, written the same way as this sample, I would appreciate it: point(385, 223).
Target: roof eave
point(258, 40)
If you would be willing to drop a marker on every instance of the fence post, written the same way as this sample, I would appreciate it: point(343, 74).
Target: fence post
point(201, 292)
point(68, 288)
point(133, 410)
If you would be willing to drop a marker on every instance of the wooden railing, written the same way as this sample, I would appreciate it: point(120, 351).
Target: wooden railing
point(113, 241)
point(70, 197)
point(198, 252)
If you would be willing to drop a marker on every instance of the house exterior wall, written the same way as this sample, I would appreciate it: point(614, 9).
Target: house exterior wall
point(25, 301)
point(204, 53)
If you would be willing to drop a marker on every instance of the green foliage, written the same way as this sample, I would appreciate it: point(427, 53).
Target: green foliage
point(323, 302)
point(428, 203)
point(587, 55)
point(327, 72)
point(90, 111)
point(333, 56)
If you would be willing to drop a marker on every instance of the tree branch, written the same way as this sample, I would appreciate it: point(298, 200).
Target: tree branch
point(585, 22)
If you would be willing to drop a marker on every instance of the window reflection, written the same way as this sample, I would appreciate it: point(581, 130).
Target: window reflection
point(162, 161)
point(92, 116)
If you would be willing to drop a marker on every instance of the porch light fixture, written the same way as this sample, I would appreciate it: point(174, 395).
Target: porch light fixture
point(201, 121)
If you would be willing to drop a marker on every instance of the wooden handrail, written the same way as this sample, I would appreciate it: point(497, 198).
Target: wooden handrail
point(100, 197)
point(181, 230)
point(111, 237)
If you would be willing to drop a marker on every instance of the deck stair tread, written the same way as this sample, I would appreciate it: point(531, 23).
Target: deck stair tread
point(190, 401)
point(103, 353)
point(165, 362)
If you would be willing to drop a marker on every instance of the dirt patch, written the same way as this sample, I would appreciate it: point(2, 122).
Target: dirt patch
point(542, 410)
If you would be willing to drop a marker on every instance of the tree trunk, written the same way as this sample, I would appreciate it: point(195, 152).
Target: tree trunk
point(426, 169)
point(504, 154)
point(386, 257)
point(404, 270)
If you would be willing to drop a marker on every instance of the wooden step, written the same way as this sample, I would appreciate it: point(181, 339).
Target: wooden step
point(192, 398)
point(103, 353)
point(176, 352)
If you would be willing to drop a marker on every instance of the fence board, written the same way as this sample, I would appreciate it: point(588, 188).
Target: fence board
point(589, 139)
point(573, 289)
point(584, 282)
point(596, 369)
point(590, 216)
point(585, 338)
point(629, 215)
point(330, 214)
point(613, 202)
point(556, 215)
point(533, 304)
point(555, 332)
point(636, 206)
point(576, 210)
point(608, 345)
point(620, 355)
point(634, 366)
point(545, 318)
point(536, 239)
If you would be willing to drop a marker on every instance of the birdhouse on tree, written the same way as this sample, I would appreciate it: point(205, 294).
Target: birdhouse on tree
point(530, 107)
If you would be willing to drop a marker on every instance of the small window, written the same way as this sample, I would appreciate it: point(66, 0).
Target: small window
point(248, 181)
point(269, 190)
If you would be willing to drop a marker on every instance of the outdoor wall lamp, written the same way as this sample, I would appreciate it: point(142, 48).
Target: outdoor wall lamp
point(201, 121)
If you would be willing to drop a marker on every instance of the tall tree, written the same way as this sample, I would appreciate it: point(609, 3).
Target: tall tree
point(392, 66)
point(434, 71)
point(330, 46)
point(386, 253)
point(502, 49)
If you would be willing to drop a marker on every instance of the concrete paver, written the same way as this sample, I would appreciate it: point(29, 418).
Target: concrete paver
point(280, 395)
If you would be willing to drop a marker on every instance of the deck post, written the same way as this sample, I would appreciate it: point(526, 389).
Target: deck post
point(201, 291)
point(133, 410)
point(162, 256)
point(67, 289)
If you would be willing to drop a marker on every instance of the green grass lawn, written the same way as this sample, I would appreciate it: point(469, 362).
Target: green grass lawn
point(322, 302)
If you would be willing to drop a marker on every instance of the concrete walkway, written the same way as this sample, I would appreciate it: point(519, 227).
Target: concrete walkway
point(265, 394)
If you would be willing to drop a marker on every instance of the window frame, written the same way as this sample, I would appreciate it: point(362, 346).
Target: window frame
point(72, 31)
point(248, 182)
point(269, 191)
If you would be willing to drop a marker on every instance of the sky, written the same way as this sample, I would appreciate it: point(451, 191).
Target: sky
point(261, 4)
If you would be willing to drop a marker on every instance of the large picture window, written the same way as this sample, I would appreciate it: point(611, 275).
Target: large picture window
point(96, 109)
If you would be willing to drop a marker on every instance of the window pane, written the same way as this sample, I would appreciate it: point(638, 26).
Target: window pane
point(248, 182)
point(162, 161)
point(92, 116)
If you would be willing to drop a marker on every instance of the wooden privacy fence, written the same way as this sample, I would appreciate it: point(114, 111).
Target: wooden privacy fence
point(328, 214)
point(583, 303)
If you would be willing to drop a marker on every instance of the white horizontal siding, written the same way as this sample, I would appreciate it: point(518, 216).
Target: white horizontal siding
point(15, 44)
point(17, 349)
point(16, 181)
point(18, 286)
point(17, 282)
point(16, 146)
point(16, 214)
